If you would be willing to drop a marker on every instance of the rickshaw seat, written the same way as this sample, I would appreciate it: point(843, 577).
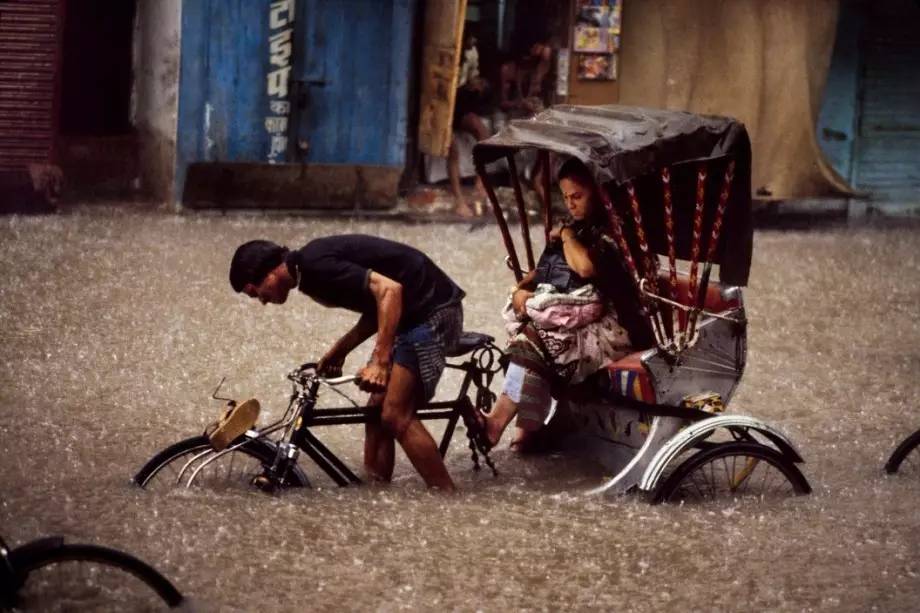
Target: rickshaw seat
point(470, 341)
point(629, 378)
point(714, 302)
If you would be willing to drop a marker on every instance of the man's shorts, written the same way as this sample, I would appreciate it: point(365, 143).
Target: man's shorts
point(423, 349)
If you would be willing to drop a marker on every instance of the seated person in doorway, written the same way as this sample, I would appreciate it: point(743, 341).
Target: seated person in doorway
point(526, 84)
point(401, 295)
point(526, 76)
point(471, 102)
point(563, 318)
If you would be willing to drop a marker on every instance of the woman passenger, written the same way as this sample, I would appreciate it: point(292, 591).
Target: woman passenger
point(544, 359)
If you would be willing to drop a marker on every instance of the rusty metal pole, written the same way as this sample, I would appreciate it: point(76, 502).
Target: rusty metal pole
point(522, 210)
point(502, 224)
point(547, 195)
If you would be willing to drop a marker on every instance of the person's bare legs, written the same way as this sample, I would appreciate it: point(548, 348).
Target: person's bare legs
point(503, 411)
point(472, 123)
point(461, 206)
point(379, 448)
point(500, 416)
point(399, 420)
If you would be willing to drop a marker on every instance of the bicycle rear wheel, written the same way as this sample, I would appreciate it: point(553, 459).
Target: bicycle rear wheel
point(907, 454)
point(176, 465)
point(733, 469)
point(78, 577)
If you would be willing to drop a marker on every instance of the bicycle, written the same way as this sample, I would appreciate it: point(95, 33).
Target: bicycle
point(255, 458)
point(907, 453)
point(79, 576)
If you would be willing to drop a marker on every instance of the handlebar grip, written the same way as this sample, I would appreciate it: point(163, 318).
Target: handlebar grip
point(340, 380)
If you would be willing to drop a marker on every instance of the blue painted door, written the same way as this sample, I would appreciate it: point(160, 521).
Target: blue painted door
point(223, 98)
point(352, 77)
point(351, 62)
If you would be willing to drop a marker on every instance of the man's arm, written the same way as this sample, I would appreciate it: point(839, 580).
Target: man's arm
point(388, 296)
point(331, 363)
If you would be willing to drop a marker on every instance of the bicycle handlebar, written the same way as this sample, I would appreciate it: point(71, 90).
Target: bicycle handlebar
point(340, 380)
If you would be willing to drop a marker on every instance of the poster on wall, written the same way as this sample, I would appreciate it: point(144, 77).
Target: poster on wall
point(597, 39)
point(589, 39)
point(597, 67)
point(600, 14)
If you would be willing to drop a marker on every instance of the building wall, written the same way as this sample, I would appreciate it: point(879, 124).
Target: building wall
point(764, 63)
point(156, 93)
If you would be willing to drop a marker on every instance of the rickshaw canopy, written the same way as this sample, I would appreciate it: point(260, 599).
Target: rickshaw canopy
point(630, 146)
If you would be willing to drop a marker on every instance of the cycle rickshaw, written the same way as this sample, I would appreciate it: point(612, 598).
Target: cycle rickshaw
point(675, 186)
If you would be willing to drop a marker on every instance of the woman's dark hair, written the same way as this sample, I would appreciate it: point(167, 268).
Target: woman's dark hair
point(253, 261)
point(574, 169)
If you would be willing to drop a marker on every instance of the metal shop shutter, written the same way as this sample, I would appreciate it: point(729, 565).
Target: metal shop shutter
point(888, 148)
point(30, 36)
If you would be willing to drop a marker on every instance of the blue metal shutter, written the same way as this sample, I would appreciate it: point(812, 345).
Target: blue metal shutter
point(888, 150)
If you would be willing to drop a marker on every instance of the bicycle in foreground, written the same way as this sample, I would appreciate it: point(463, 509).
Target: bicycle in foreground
point(267, 457)
point(906, 456)
point(49, 574)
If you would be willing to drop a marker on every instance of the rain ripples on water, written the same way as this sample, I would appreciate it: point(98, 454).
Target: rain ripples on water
point(116, 326)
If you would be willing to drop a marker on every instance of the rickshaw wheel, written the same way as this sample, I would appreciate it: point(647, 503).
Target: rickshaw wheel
point(907, 454)
point(736, 469)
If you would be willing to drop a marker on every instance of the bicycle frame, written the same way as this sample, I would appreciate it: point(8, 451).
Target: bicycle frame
point(301, 415)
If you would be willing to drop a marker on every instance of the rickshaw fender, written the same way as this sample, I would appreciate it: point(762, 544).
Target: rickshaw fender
point(698, 431)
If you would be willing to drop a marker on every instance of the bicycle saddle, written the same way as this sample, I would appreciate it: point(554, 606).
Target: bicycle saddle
point(469, 341)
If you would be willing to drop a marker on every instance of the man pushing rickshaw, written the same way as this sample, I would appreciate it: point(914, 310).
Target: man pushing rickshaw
point(641, 354)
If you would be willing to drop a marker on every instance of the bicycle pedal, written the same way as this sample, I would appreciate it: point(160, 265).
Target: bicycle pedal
point(234, 423)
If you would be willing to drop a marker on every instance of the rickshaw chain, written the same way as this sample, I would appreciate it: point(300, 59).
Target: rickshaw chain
point(474, 456)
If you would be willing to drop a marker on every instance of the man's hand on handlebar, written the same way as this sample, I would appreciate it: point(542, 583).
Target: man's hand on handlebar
point(373, 377)
point(330, 365)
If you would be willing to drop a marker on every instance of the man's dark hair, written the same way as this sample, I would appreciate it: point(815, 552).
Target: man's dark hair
point(253, 261)
point(574, 169)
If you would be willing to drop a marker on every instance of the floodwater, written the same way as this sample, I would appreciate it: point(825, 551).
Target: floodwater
point(117, 325)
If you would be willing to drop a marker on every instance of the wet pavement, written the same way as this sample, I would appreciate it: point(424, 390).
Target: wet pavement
point(117, 325)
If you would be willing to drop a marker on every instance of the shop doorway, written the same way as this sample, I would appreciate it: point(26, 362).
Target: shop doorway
point(98, 145)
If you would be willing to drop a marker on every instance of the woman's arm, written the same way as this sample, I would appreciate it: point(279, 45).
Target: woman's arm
point(577, 255)
point(522, 292)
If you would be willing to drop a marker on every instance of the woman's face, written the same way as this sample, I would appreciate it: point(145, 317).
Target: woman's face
point(578, 198)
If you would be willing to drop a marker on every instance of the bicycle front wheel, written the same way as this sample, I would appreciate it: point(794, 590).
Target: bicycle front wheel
point(77, 577)
point(194, 461)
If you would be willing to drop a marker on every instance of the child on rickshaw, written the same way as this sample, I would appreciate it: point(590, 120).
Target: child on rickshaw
point(574, 312)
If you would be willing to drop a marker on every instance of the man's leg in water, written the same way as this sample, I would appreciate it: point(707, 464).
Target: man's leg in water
point(399, 420)
point(378, 446)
